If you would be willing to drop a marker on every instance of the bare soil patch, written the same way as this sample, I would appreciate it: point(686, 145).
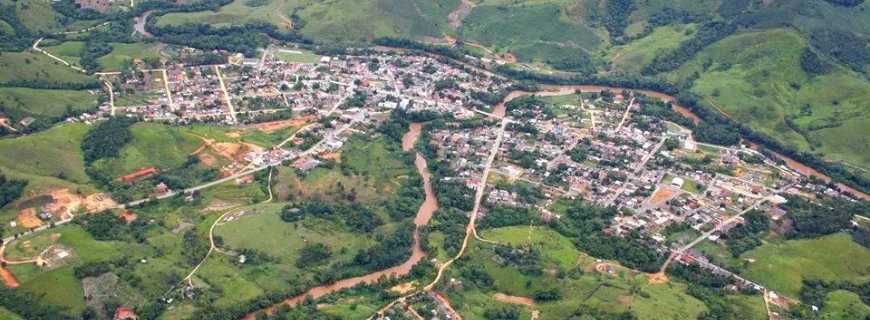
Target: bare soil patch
point(27, 218)
point(526, 301)
point(662, 194)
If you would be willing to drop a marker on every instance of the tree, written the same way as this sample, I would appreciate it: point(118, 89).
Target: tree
point(313, 254)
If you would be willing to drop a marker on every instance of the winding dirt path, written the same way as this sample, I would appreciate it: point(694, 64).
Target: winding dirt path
point(456, 17)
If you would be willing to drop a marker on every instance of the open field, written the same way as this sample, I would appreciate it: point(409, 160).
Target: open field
point(58, 285)
point(123, 52)
point(274, 12)
point(47, 154)
point(343, 20)
point(636, 54)
point(70, 51)
point(283, 241)
point(374, 174)
point(36, 15)
point(153, 144)
point(40, 103)
point(756, 78)
point(296, 56)
point(581, 286)
point(782, 266)
point(505, 28)
point(842, 305)
point(32, 66)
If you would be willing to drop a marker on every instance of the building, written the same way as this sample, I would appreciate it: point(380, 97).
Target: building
point(139, 174)
point(124, 313)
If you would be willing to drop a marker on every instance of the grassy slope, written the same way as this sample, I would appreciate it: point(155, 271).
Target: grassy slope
point(59, 286)
point(156, 145)
point(37, 67)
point(70, 51)
point(610, 293)
point(759, 81)
point(46, 154)
point(45, 103)
point(237, 12)
point(6, 314)
point(36, 15)
point(782, 266)
point(127, 51)
point(343, 20)
point(283, 241)
point(633, 56)
point(844, 305)
point(535, 32)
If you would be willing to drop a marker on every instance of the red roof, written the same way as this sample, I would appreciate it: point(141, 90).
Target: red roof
point(124, 313)
point(139, 174)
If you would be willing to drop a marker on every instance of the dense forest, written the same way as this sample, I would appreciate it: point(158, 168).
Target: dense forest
point(10, 189)
point(106, 139)
point(585, 224)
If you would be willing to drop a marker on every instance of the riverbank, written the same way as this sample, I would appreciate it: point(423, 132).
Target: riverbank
point(424, 214)
point(558, 90)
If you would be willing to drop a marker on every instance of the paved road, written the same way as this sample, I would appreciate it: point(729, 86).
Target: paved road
point(470, 229)
point(227, 98)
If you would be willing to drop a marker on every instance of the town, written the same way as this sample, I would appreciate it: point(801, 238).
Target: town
point(611, 148)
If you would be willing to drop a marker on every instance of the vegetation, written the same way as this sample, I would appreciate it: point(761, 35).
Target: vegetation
point(106, 139)
point(812, 220)
point(10, 189)
point(586, 223)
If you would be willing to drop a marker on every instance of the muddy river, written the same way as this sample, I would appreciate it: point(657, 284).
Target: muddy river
point(429, 206)
point(558, 90)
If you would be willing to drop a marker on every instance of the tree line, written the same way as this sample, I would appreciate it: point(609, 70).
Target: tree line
point(10, 189)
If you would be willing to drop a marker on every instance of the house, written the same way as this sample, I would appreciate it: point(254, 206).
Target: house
point(139, 174)
point(161, 188)
point(128, 216)
point(124, 313)
point(677, 182)
point(26, 122)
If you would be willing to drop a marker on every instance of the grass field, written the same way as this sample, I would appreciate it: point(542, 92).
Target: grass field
point(155, 145)
point(59, 286)
point(581, 286)
point(6, 314)
point(296, 56)
point(127, 52)
point(842, 305)
point(267, 233)
point(46, 154)
point(28, 66)
point(36, 15)
point(756, 78)
point(636, 54)
point(70, 51)
point(506, 28)
point(374, 174)
point(341, 20)
point(274, 12)
point(782, 266)
point(45, 103)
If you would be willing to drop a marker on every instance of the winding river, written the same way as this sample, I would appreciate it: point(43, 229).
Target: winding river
point(429, 206)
